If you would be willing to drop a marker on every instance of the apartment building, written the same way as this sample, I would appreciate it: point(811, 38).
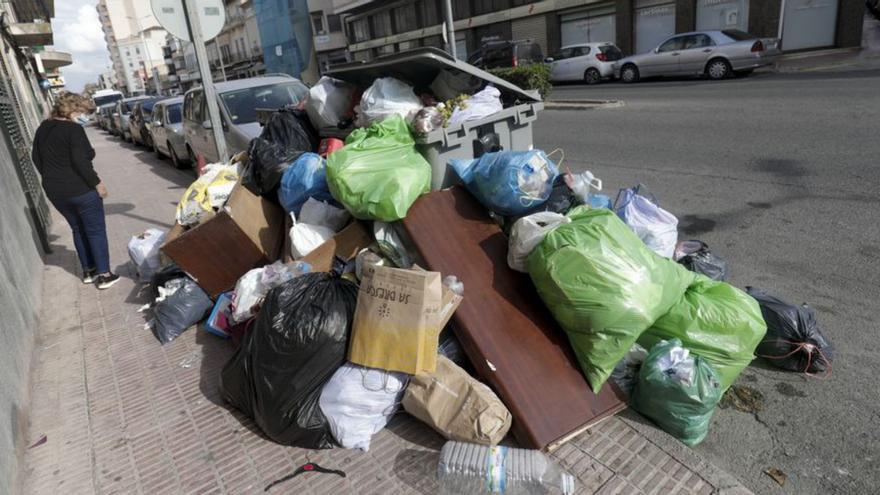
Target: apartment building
point(330, 44)
point(237, 52)
point(379, 27)
point(134, 40)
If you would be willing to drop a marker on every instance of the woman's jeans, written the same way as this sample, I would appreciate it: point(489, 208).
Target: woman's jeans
point(85, 214)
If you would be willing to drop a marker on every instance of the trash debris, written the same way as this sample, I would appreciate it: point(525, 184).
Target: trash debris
point(743, 398)
point(385, 98)
point(716, 321)
point(317, 212)
point(305, 178)
point(209, 191)
point(143, 250)
point(185, 307)
point(470, 468)
point(378, 174)
point(626, 373)
point(191, 359)
point(297, 342)
point(220, 320)
point(359, 401)
point(390, 245)
point(304, 237)
point(43, 439)
point(696, 257)
point(655, 226)
point(456, 405)
point(309, 467)
point(629, 289)
point(450, 83)
point(252, 287)
point(527, 233)
point(794, 339)
point(286, 136)
point(330, 145)
point(395, 324)
point(329, 104)
point(580, 184)
point(677, 391)
point(427, 120)
point(508, 182)
point(778, 476)
point(479, 106)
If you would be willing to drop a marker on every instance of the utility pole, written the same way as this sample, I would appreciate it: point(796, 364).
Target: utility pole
point(191, 16)
point(450, 29)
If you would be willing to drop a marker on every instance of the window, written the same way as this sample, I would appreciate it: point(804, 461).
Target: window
point(241, 105)
point(334, 25)
point(672, 44)
point(737, 35)
point(427, 11)
point(318, 22)
point(130, 65)
point(405, 18)
point(382, 24)
point(199, 108)
point(697, 41)
point(137, 50)
point(563, 54)
point(173, 114)
point(578, 51)
point(157, 114)
point(360, 30)
point(612, 53)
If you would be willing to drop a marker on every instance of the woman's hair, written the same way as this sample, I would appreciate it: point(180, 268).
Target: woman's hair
point(68, 103)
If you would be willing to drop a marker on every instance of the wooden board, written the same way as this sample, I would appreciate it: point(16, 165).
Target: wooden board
point(509, 335)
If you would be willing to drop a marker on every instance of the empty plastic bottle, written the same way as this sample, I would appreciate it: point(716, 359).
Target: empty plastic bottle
point(467, 468)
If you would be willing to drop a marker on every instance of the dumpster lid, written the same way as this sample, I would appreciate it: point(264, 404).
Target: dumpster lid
point(419, 67)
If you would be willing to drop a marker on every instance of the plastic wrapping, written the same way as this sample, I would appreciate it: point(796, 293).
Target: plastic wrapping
point(479, 106)
point(508, 182)
point(209, 191)
point(296, 344)
point(184, 308)
point(390, 245)
point(655, 226)
point(794, 340)
point(427, 120)
point(329, 102)
point(527, 233)
point(603, 286)
point(677, 391)
point(379, 174)
point(696, 257)
point(626, 373)
point(314, 212)
point(359, 401)
point(143, 250)
point(716, 321)
point(286, 136)
point(305, 178)
point(385, 98)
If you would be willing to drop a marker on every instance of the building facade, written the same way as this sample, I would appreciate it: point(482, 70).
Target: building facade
point(134, 40)
point(237, 52)
point(286, 38)
point(329, 40)
point(375, 28)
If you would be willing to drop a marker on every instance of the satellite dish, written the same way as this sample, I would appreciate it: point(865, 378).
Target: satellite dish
point(172, 17)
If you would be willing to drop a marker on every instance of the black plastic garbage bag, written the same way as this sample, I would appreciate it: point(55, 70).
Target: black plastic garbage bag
point(286, 136)
point(296, 344)
point(184, 308)
point(162, 276)
point(696, 257)
point(794, 340)
point(560, 201)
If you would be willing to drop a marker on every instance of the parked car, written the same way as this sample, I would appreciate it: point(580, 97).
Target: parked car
point(716, 54)
point(166, 131)
point(139, 122)
point(104, 114)
point(588, 62)
point(122, 114)
point(500, 54)
point(239, 101)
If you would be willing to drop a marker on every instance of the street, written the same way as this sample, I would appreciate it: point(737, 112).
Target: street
point(778, 174)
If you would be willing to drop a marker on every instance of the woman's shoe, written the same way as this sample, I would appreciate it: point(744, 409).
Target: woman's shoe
point(106, 280)
point(89, 276)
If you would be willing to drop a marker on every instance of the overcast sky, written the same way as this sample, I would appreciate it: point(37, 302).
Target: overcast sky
point(77, 31)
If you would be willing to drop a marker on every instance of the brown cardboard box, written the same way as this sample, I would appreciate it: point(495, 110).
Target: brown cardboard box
point(346, 244)
point(244, 234)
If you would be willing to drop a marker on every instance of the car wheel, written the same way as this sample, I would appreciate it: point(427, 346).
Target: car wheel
point(718, 69)
point(592, 76)
point(174, 159)
point(629, 73)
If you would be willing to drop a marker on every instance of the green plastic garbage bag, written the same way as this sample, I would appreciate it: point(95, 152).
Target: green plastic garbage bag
point(714, 320)
point(677, 391)
point(378, 174)
point(603, 286)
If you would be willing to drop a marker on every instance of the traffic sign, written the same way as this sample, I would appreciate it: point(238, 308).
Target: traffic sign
point(171, 16)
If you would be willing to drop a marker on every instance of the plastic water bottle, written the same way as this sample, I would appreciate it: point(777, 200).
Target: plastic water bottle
point(467, 468)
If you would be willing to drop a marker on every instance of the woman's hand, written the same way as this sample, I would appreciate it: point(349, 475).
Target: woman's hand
point(102, 190)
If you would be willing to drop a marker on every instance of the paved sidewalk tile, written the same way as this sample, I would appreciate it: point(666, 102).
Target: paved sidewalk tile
point(123, 414)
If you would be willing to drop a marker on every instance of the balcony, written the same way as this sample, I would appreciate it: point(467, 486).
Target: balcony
point(31, 10)
point(341, 6)
point(32, 34)
point(52, 59)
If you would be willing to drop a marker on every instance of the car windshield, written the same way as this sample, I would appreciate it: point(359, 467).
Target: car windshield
point(242, 104)
point(173, 112)
point(737, 35)
point(611, 52)
point(103, 100)
point(127, 106)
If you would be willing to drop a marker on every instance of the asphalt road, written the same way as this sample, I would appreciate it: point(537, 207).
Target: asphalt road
point(779, 174)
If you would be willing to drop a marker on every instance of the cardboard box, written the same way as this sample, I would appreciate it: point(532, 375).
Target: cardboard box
point(244, 234)
point(344, 244)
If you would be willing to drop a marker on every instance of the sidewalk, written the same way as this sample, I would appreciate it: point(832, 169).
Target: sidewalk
point(123, 414)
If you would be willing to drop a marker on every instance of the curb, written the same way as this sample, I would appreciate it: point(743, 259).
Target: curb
point(581, 104)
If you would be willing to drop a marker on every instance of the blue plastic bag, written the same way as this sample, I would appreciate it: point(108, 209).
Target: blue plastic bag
point(509, 182)
point(305, 178)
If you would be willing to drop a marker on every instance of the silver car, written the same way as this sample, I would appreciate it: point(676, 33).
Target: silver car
point(166, 130)
point(121, 116)
point(238, 101)
point(587, 62)
point(716, 54)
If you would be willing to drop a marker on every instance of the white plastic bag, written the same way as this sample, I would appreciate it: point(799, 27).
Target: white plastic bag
point(387, 96)
point(328, 102)
point(143, 249)
point(656, 227)
point(359, 401)
point(580, 184)
point(305, 237)
point(314, 212)
point(249, 292)
point(527, 233)
point(483, 104)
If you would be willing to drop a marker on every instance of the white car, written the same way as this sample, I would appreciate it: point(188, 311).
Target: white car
point(587, 62)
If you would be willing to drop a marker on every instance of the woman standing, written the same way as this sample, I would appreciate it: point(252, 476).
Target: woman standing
point(63, 155)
